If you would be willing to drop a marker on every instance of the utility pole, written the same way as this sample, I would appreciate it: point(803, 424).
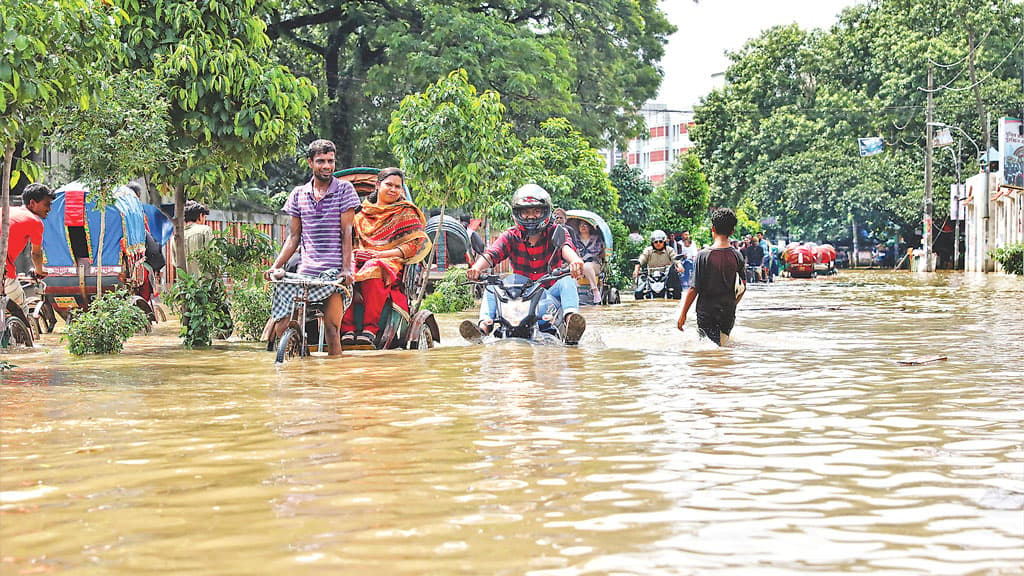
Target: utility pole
point(926, 240)
point(986, 260)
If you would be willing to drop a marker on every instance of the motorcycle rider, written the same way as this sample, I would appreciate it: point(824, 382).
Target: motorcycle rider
point(659, 254)
point(530, 248)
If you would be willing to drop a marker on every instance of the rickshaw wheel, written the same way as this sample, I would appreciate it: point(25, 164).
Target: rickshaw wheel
point(424, 339)
point(16, 333)
point(289, 346)
point(45, 317)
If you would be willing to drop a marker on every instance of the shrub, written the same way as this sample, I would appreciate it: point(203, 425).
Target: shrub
point(1010, 257)
point(103, 329)
point(202, 305)
point(451, 293)
point(250, 308)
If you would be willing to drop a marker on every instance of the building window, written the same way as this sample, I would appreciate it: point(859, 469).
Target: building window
point(634, 158)
point(659, 155)
point(657, 178)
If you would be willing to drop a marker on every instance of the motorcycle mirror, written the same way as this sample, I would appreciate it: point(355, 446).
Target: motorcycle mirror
point(477, 243)
point(558, 242)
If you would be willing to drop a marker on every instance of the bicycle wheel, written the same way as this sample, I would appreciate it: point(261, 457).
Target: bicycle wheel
point(423, 340)
point(290, 346)
point(16, 333)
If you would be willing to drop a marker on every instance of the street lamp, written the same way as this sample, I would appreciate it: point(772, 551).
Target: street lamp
point(985, 165)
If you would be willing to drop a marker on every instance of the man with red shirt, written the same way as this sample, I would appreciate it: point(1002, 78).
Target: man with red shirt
point(529, 246)
point(26, 228)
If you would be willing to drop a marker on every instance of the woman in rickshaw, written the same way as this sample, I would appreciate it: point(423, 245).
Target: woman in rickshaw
point(389, 234)
point(591, 249)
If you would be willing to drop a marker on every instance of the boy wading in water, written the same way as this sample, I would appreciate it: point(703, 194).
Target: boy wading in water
point(715, 276)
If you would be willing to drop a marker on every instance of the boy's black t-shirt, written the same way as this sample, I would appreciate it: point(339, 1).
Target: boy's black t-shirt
point(715, 273)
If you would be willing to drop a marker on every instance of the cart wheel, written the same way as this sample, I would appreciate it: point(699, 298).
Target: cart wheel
point(290, 346)
point(423, 340)
point(16, 333)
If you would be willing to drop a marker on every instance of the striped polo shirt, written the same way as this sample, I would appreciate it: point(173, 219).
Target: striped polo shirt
point(321, 223)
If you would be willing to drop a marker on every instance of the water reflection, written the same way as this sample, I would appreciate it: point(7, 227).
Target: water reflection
point(802, 449)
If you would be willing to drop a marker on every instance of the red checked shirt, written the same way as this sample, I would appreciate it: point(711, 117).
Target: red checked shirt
point(526, 259)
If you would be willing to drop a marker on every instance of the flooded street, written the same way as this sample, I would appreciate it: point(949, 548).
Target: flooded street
point(802, 449)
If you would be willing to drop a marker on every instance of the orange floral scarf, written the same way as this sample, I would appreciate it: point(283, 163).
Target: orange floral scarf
point(381, 227)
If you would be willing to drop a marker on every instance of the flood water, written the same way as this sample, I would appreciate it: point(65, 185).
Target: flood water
point(802, 449)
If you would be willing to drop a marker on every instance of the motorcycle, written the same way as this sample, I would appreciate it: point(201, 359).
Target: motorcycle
point(519, 312)
point(653, 283)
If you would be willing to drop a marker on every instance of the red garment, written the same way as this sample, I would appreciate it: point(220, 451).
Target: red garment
point(375, 294)
point(25, 227)
point(526, 260)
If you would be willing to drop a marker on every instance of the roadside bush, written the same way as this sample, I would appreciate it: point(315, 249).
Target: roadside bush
point(250, 308)
point(451, 293)
point(202, 306)
point(104, 328)
point(1011, 258)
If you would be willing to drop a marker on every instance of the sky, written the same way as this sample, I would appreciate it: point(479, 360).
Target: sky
point(708, 28)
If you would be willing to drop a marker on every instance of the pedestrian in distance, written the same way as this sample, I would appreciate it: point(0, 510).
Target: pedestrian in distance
point(718, 282)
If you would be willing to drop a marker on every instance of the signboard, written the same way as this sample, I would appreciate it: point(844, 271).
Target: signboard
point(870, 146)
point(1011, 152)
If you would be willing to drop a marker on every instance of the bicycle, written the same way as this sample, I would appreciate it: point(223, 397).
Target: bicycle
point(294, 341)
point(14, 324)
point(40, 311)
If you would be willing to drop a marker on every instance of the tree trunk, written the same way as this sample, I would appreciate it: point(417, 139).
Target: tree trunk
point(179, 225)
point(5, 203)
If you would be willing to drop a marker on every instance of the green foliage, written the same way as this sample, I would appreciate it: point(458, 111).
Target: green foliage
point(250, 308)
point(562, 161)
point(636, 195)
point(592, 61)
point(452, 142)
point(6, 366)
point(619, 271)
point(238, 258)
point(232, 107)
point(782, 131)
point(451, 293)
point(200, 301)
point(1011, 258)
point(682, 201)
point(111, 319)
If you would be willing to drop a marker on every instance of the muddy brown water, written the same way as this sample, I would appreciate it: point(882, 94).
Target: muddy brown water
point(802, 449)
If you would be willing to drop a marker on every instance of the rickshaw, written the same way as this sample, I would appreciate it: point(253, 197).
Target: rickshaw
point(799, 258)
point(609, 294)
point(397, 328)
point(71, 237)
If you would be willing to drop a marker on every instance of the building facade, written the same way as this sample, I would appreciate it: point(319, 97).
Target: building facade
point(654, 153)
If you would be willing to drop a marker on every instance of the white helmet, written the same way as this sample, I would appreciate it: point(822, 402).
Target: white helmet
point(531, 196)
point(658, 236)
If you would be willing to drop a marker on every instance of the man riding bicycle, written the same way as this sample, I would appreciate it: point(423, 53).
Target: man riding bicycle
point(322, 211)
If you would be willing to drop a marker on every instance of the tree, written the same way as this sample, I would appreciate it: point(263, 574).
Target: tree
point(54, 53)
point(122, 130)
point(636, 195)
point(593, 62)
point(453, 144)
point(564, 163)
point(782, 131)
point(682, 201)
point(232, 108)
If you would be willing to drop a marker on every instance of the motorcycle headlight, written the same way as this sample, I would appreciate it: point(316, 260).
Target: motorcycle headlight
point(515, 311)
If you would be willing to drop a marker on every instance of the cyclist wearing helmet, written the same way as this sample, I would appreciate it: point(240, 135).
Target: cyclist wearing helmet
point(529, 246)
point(659, 255)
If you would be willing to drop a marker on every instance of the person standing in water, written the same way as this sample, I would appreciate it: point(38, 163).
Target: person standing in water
point(716, 273)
